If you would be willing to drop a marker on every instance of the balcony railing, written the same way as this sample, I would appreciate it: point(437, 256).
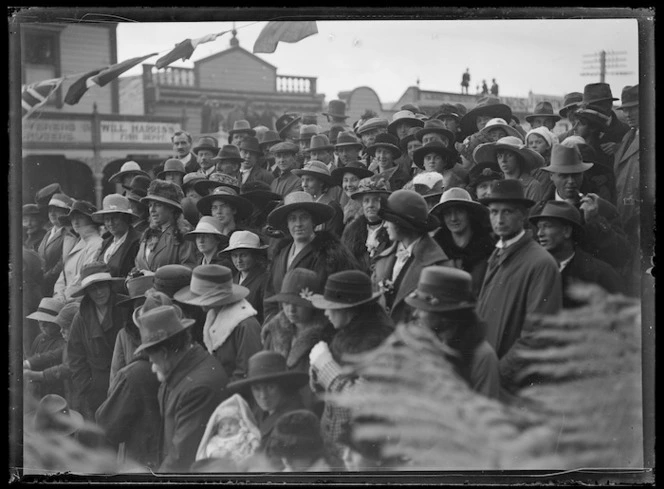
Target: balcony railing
point(296, 84)
point(170, 76)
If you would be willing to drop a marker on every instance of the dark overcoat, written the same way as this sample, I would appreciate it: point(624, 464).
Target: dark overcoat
point(122, 261)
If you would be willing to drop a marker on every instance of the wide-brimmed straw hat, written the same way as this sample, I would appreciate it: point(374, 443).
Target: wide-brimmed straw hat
point(319, 142)
point(241, 126)
point(165, 192)
point(458, 197)
point(385, 140)
point(436, 126)
point(159, 324)
point(244, 240)
point(269, 366)
point(47, 310)
point(345, 289)
point(242, 206)
point(570, 101)
point(217, 179)
point(442, 289)
point(211, 286)
point(128, 168)
point(354, 167)
point(113, 204)
point(559, 209)
point(208, 225)
point(486, 106)
point(376, 185)
point(136, 289)
point(297, 287)
point(62, 201)
point(94, 273)
point(530, 159)
point(449, 154)
point(318, 169)
point(54, 414)
point(498, 123)
point(408, 209)
point(543, 109)
point(299, 200)
point(206, 142)
point(565, 159)
point(401, 117)
point(507, 191)
point(629, 97)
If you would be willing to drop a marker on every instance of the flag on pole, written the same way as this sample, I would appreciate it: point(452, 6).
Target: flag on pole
point(184, 50)
point(275, 32)
point(35, 95)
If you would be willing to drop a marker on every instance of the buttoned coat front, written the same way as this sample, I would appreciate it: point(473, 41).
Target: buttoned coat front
point(170, 249)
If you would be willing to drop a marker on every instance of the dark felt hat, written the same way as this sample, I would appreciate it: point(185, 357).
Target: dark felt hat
point(242, 206)
point(241, 126)
point(269, 366)
point(228, 152)
point(354, 167)
point(138, 188)
point(259, 193)
point(217, 179)
point(559, 209)
point(436, 126)
point(159, 324)
point(347, 138)
point(319, 142)
point(284, 122)
point(206, 142)
point(507, 191)
point(250, 143)
point(299, 200)
point(385, 140)
point(172, 165)
point(82, 207)
point(165, 192)
point(442, 289)
point(336, 108)
point(136, 288)
point(32, 210)
point(570, 101)
point(409, 209)
point(597, 92)
point(93, 273)
point(629, 97)
point(269, 137)
point(171, 278)
point(543, 109)
point(485, 171)
point(297, 287)
point(449, 153)
point(44, 194)
point(346, 289)
point(486, 106)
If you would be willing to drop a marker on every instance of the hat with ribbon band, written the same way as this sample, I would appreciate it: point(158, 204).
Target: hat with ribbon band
point(94, 273)
point(211, 286)
point(346, 289)
point(269, 366)
point(47, 310)
point(442, 289)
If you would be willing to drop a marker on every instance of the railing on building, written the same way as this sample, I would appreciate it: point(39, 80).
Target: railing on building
point(170, 76)
point(296, 84)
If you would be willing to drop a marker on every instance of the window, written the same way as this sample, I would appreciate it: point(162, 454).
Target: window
point(41, 59)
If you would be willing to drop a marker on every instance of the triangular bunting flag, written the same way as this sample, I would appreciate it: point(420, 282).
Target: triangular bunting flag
point(35, 95)
point(275, 32)
point(184, 50)
point(112, 72)
point(79, 87)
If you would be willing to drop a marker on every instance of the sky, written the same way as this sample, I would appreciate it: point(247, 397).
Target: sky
point(546, 56)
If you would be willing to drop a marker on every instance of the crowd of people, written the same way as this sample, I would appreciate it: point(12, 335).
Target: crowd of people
point(201, 318)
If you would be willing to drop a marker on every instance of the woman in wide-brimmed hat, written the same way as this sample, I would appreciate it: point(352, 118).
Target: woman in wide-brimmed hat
point(209, 241)
point(84, 251)
point(445, 303)
point(163, 242)
point(229, 208)
point(498, 128)
point(120, 245)
point(231, 332)
point(317, 181)
point(434, 156)
point(465, 234)
point(127, 173)
point(348, 178)
point(397, 268)
point(303, 246)
point(298, 326)
point(481, 177)
point(384, 152)
point(248, 257)
point(55, 241)
point(516, 161)
point(92, 338)
point(46, 349)
point(361, 324)
point(471, 123)
point(274, 390)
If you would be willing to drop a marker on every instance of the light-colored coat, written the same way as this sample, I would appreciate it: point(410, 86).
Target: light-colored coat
point(83, 252)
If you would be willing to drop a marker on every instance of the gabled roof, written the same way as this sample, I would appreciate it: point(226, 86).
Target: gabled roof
point(232, 50)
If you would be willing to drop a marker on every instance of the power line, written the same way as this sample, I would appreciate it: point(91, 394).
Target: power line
point(605, 59)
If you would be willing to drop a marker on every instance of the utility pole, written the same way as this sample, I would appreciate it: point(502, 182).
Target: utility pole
point(605, 59)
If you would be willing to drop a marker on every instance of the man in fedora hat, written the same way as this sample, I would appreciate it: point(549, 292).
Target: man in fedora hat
point(92, 338)
point(604, 237)
point(320, 149)
point(172, 171)
point(317, 181)
point(543, 115)
point(445, 303)
point(130, 414)
point(251, 169)
point(599, 95)
point(192, 384)
point(521, 278)
point(228, 161)
point(303, 246)
point(205, 149)
point(347, 148)
point(397, 269)
point(241, 130)
point(231, 332)
point(384, 153)
point(558, 225)
point(336, 113)
point(120, 245)
point(571, 103)
point(182, 143)
point(285, 154)
point(307, 131)
point(267, 140)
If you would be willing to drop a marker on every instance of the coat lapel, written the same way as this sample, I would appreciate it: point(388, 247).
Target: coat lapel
point(625, 152)
point(161, 244)
point(304, 253)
